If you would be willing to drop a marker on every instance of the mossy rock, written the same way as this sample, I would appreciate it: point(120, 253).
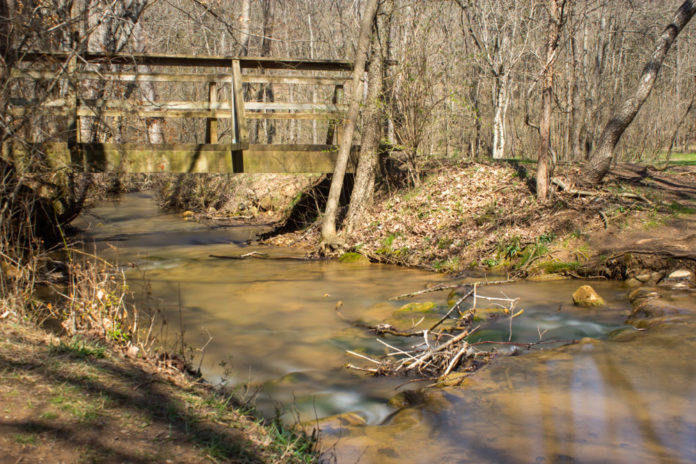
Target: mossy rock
point(484, 314)
point(354, 258)
point(426, 307)
point(587, 297)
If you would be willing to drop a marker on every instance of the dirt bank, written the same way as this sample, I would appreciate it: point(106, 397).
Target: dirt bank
point(76, 400)
point(484, 217)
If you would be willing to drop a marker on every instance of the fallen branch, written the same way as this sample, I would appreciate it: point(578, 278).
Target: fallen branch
point(258, 255)
point(440, 287)
point(586, 193)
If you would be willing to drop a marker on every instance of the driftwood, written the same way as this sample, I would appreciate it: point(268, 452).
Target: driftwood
point(258, 255)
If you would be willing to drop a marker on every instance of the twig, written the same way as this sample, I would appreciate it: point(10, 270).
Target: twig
point(367, 358)
point(454, 306)
point(456, 358)
point(365, 369)
point(441, 287)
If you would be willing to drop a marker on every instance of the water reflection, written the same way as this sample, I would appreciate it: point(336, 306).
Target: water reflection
point(627, 399)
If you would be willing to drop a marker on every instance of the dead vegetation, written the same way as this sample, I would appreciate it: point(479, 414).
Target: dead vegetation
point(484, 217)
point(445, 347)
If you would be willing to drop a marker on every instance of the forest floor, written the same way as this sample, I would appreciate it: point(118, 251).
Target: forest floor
point(76, 400)
point(483, 217)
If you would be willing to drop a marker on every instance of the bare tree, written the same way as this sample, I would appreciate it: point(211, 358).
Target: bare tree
point(363, 188)
point(500, 31)
point(600, 161)
point(328, 231)
point(556, 10)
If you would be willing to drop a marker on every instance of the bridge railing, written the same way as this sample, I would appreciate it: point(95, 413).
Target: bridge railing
point(236, 156)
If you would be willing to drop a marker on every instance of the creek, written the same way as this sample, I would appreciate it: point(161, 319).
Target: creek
point(269, 328)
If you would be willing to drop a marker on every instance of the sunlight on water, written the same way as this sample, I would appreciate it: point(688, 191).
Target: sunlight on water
point(273, 323)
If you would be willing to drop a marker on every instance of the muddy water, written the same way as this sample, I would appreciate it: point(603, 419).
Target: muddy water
point(272, 324)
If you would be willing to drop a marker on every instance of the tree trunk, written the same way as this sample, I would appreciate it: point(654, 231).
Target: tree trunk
point(501, 101)
point(328, 231)
point(245, 24)
point(364, 185)
point(600, 160)
point(155, 129)
point(553, 36)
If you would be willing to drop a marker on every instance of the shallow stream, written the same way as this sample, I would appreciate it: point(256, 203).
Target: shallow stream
point(272, 324)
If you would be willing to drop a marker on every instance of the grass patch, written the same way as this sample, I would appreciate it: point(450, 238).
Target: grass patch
point(25, 439)
point(78, 348)
point(679, 159)
point(678, 208)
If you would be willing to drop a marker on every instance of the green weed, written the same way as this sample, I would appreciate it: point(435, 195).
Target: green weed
point(26, 439)
point(78, 348)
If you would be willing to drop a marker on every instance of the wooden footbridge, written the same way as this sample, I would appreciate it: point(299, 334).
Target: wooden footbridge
point(223, 95)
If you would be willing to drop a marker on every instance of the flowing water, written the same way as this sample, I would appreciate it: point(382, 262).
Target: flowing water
point(621, 395)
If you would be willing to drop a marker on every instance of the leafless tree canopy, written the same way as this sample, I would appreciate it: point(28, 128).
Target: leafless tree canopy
point(461, 78)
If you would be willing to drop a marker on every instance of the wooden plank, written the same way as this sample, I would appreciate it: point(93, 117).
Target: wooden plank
point(291, 115)
point(193, 60)
point(286, 161)
point(292, 147)
point(292, 80)
point(150, 113)
point(176, 158)
point(124, 76)
point(174, 114)
point(99, 105)
point(283, 106)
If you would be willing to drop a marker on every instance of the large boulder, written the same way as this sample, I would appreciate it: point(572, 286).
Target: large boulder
point(587, 297)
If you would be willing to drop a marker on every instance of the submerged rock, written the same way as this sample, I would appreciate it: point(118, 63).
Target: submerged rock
point(648, 304)
point(426, 307)
point(587, 297)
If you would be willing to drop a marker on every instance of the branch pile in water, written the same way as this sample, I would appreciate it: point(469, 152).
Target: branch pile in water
point(440, 353)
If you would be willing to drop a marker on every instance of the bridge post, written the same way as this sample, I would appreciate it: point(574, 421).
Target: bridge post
point(242, 132)
point(211, 135)
point(331, 131)
point(74, 129)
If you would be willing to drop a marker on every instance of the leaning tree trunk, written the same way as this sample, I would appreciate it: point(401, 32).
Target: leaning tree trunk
point(363, 188)
point(600, 161)
point(328, 230)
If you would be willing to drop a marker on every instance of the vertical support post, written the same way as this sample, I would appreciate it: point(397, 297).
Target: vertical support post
point(240, 118)
point(331, 131)
point(73, 118)
point(211, 135)
point(233, 112)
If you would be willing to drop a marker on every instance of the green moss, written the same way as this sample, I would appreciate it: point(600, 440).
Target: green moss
point(555, 267)
point(351, 257)
point(425, 307)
